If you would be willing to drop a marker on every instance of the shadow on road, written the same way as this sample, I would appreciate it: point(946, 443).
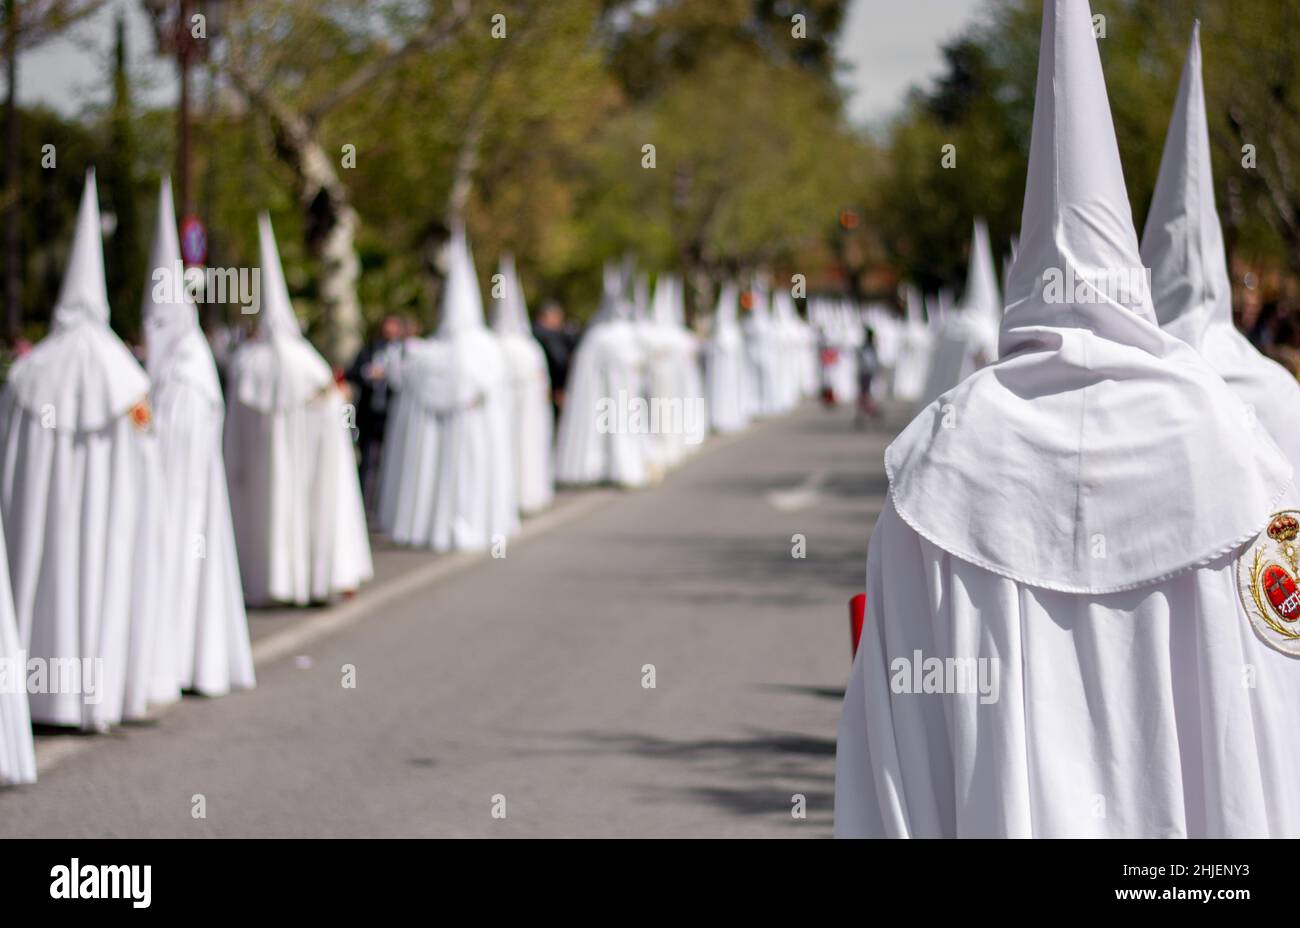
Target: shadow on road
point(758, 774)
point(731, 569)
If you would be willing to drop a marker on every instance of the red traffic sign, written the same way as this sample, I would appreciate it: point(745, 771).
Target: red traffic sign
point(194, 240)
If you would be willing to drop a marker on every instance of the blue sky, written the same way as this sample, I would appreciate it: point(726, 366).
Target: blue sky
point(887, 45)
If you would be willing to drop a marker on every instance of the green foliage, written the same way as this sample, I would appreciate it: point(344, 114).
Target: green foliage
point(983, 104)
point(754, 160)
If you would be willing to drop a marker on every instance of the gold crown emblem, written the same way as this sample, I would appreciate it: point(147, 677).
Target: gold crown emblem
point(1283, 528)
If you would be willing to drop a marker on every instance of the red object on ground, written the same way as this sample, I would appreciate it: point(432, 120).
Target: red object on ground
point(857, 615)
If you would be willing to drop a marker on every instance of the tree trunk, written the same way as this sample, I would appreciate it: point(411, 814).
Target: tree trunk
point(331, 223)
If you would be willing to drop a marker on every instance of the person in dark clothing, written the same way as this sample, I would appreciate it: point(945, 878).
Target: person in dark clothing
point(558, 340)
point(868, 365)
point(368, 376)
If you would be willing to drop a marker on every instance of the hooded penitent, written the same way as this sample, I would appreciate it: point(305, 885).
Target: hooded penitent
point(597, 442)
point(763, 356)
point(1060, 600)
point(79, 482)
point(1183, 247)
point(799, 343)
point(200, 576)
point(725, 366)
point(299, 523)
point(968, 337)
point(448, 480)
point(841, 337)
point(913, 365)
point(675, 389)
point(533, 422)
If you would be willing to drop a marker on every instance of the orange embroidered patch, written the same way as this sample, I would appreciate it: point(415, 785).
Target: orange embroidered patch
point(141, 415)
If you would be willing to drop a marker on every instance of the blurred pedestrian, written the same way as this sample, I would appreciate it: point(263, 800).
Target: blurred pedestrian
point(558, 339)
point(868, 364)
point(371, 378)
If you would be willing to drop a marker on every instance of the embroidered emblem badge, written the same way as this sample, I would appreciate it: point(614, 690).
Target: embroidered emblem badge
point(1268, 580)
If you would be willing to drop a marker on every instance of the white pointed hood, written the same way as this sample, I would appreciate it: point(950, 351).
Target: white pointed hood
point(915, 308)
point(1183, 241)
point(174, 342)
point(981, 294)
point(758, 319)
point(1098, 454)
point(462, 302)
point(84, 293)
point(1183, 246)
point(510, 312)
point(725, 320)
point(278, 368)
point(278, 318)
point(80, 377)
point(614, 304)
point(661, 310)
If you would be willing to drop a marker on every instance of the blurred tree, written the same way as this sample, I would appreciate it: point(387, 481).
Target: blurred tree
point(119, 192)
point(26, 23)
point(983, 105)
point(753, 159)
point(274, 55)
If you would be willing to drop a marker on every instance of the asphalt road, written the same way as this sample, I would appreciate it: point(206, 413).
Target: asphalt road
point(521, 679)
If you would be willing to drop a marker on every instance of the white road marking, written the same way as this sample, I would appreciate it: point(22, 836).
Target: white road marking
point(801, 496)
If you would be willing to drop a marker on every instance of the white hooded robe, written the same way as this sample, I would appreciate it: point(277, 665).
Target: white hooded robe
point(725, 366)
point(531, 414)
point(201, 572)
point(913, 364)
point(300, 526)
point(83, 518)
point(448, 479)
point(1080, 529)
point(968, 337)
point(593, 446)
point(1183, 246)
